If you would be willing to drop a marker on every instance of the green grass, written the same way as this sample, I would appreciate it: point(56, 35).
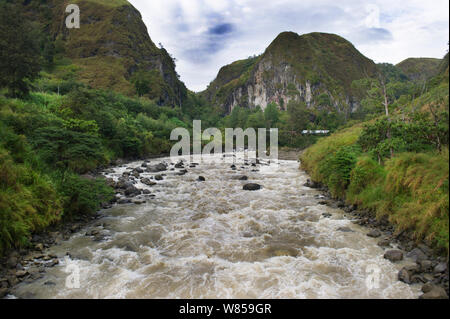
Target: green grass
point(411, 189)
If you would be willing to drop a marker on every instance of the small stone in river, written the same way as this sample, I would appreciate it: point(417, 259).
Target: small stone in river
point(403, 276)
point(375, 233)
point(182, 172)
point(393, 255)
point(201, 179)
point(384, 243)
point(147, 182)
point(251, 187)
point(159, 177)
point(345, 229)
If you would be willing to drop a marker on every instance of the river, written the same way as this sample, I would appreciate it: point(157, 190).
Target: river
point(212, 239)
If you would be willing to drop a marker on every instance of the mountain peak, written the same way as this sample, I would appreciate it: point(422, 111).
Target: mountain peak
point(293, 67)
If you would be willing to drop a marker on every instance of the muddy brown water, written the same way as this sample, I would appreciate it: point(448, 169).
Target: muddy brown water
point(213, 240)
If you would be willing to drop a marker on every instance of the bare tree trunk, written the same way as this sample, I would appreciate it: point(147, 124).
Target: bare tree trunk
point(386, 109)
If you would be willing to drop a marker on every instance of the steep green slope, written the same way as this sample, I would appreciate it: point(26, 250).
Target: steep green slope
point(420, 69)
point(317, 68)
point(396, 168)
point(110, 46)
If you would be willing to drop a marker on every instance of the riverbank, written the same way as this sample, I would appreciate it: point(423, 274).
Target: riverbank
point(431, 269)
point(405, 198)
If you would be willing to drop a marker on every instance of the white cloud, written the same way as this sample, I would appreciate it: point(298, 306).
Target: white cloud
point(204, 35)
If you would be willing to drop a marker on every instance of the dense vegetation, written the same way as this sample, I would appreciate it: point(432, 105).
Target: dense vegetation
point(54, 128)
point(57, 124)
point(396, 165)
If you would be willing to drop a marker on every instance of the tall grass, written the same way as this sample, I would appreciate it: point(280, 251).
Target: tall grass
point(411, 189)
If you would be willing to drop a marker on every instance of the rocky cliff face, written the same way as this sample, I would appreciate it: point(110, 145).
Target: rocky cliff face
point(111, 44)
point(316, 68)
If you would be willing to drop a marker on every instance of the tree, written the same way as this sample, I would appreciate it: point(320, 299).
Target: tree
point(20, 61)
point(299, 116)
point(271, 115)
point(256, 120)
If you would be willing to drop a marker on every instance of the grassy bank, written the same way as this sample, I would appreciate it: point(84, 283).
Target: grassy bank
point(411, 188)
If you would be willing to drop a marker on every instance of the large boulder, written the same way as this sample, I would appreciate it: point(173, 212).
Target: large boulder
point(394, 255)
point(132, 191)
point(252, 187)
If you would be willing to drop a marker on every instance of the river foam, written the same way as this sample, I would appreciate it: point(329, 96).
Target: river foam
point(214, 240)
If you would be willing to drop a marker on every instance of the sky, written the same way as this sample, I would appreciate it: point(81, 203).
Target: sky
point(204, 35)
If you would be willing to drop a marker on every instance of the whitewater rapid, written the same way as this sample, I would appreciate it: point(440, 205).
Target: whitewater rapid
point(212, 239)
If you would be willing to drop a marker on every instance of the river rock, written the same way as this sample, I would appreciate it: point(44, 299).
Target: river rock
point(55, 262)
point(434, 292)
point(4, 283)
point(425, 249)
point(311, 184)
point(201, 179)
point(417, 255)
point(3, 292)
point(393, 255)
point(403, 275)
point(440, 268)
point(182, 172)
point(159, 177)
point(425, 265)
point(240, 178)
point(161, 167)
point(374, 233)
point(345, 229)
point(39, 247)
point(147, 182)
point(124, 201)
point(132, 191)
point(251, 187)
point(179, 165)
point(384, 243)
